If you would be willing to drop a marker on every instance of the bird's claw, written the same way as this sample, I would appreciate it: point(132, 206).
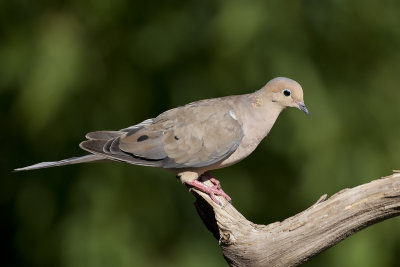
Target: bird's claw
point(212, 191)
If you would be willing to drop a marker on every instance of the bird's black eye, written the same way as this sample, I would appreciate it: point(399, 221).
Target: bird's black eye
point(286, 92)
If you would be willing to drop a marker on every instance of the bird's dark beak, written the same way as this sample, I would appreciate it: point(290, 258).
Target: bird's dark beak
point(303, 107)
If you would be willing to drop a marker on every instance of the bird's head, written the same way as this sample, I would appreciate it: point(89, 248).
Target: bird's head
point(286, 93)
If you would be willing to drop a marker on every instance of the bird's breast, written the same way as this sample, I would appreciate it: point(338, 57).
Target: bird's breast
point(256, 126)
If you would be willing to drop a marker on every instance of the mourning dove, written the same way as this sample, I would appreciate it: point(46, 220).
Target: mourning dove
point(191, 140)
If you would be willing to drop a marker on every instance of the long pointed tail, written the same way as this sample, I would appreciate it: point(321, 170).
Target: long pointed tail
point(82, 159)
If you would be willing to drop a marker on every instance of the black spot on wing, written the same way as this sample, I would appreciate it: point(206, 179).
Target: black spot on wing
point(142, 138)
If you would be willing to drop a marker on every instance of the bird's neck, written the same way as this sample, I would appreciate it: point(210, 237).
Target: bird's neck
point(265, 112)
point(256, 122)
point(257, 119)
point(256, 114)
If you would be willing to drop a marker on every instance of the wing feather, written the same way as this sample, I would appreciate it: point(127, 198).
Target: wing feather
point(196, 135)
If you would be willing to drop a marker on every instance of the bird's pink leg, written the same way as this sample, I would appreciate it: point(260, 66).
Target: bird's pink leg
point(212, 191)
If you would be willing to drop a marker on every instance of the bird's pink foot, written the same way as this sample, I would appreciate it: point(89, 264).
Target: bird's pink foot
point(212, 191)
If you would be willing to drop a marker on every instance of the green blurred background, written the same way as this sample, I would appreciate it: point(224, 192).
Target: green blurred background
point(71, 67)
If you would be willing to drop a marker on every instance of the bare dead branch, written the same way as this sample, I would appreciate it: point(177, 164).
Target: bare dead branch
point(304, 235)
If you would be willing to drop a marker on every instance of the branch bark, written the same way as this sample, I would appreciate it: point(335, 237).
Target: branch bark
point(304, 235)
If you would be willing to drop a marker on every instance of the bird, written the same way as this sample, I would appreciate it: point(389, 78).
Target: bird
point(193, 139)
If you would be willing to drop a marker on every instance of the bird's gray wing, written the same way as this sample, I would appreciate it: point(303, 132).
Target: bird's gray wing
point(196, 135)
point(106, 144)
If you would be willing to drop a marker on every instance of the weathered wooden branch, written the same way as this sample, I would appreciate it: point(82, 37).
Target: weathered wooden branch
point(299, 238)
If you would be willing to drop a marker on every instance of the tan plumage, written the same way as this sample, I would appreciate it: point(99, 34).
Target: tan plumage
point(197, 137)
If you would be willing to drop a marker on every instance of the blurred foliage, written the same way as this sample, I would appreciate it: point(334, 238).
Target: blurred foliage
point(70, 67)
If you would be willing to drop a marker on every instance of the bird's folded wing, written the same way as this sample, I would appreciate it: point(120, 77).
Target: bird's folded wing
point(196, 135)
point(203, 133)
